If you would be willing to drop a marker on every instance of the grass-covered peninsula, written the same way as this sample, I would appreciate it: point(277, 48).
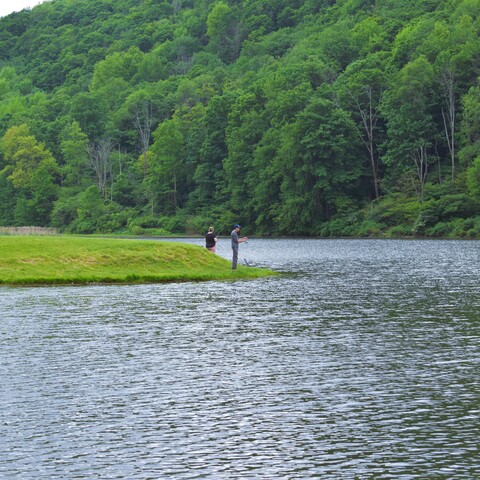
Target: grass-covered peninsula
point(40, 260)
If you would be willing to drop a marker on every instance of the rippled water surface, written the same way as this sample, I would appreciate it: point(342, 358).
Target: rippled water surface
point(360, 362)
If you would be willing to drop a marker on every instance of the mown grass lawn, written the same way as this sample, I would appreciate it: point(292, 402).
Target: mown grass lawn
point(37, 260)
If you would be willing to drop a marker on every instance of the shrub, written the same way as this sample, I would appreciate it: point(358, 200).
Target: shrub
point(370, 228)
point(339, 227)
point(114, 221)
point(474, 230)
point(394, 210)
point(401, 230)
point(440, 229)
point(144, 221)
point(444, 210)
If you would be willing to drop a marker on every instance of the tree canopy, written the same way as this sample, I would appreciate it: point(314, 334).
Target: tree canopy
point(293, 117)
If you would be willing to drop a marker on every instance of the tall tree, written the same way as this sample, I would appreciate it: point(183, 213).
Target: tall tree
point(73, 144)
point(470, 151)
point(411, 129)
point(33, 172)
point(225, 31)
point(141, 110)
point(246, 126)
point(99, 152)
point(318, 163)
point(360, 90)
point(166, 167)
point(448, 84)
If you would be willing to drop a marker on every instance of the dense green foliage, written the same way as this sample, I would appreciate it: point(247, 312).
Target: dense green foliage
point(298, 117)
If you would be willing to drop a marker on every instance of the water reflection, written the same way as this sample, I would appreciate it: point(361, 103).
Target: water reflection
point(362, 364)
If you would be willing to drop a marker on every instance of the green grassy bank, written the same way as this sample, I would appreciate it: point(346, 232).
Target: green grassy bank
point(39, 260)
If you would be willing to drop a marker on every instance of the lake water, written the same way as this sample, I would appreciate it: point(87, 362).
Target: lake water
point(360, 362)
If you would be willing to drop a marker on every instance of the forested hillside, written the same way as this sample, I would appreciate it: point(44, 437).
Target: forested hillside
point(293, 117)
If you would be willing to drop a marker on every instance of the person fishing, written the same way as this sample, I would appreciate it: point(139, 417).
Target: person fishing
point(211, 240)
point(236, 240)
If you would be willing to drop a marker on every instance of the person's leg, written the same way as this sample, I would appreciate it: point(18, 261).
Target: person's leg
point(235, 258)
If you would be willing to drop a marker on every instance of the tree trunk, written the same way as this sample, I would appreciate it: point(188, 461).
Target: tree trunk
point(143, 122)
point(369, 117)
point(99, 154)
point(448, 115)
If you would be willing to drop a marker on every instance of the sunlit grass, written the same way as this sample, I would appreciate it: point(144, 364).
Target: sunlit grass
point(81, 260)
